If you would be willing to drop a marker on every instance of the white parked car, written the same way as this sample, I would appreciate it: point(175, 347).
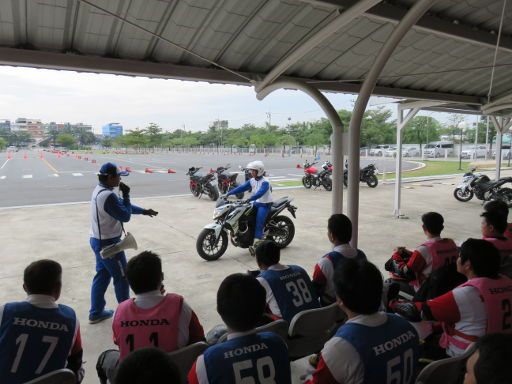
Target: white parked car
point(391, 152)
point(410, 152)
point(379, 150)
point(480, 151)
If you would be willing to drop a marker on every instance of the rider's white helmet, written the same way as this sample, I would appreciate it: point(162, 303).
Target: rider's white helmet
point(257, 166)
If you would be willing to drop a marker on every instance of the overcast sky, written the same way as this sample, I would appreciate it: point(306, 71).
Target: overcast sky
point(98, 99)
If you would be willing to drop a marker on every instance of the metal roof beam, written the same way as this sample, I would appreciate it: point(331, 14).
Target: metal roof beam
point(347, 16)
point(84, 63)
point(428, 23)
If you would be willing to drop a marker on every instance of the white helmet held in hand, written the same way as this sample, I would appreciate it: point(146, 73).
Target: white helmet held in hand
point(257, 166)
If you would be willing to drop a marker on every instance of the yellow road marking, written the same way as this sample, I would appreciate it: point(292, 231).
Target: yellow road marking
point(49, 165)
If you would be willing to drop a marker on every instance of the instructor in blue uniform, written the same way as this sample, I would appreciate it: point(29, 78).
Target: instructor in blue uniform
point(261, 198)
point(108, 212)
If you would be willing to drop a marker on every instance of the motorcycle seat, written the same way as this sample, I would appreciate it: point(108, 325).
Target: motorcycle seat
point(279, 202)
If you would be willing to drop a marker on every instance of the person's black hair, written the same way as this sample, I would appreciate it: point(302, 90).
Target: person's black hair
point(433, 222)
point(498, 206)
point(340, 227)
point(359, 285)
point(42, 277)
point(496, 219)
point(147, 365)
point(484, 257)
point(493, 364)
point(241, 302)
point(268, 253)
point(144, 272)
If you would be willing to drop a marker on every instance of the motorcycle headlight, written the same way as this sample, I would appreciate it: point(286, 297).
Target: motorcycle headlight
point(218, 212)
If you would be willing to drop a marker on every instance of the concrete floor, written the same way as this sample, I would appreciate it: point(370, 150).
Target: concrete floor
point(61, 233)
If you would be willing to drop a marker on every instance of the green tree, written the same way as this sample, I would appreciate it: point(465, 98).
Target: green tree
point(154, 135)
point(107, 142)
point(3, 143)
point(377, 128)
point(66, 140)
point(421, 130)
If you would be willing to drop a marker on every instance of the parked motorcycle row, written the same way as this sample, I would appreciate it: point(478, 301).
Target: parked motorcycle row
point(314, 177)
point(485, 189)
point(204, 184)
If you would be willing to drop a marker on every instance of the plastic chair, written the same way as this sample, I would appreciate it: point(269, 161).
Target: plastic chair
point(310, 329)
point(185, 357)
point(445, 370)
point(60, 376)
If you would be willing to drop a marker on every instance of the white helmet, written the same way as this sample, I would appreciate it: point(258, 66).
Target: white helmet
point(257, 166)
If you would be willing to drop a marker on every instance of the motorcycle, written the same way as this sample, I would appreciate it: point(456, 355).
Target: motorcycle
point(479, 185)
point(200, 184)
point(314, 178)
point(237, 219)
point(367, 175)
point(226, 182)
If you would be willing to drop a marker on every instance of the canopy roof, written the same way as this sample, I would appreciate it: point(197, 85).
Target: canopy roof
point(447, 56)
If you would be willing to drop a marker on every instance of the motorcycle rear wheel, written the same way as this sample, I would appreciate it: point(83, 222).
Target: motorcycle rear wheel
point(306, 181)
point(286, 230)
point(459, 195)
point(505, 195)
point(372, 181)
point(206, 247)
point(327, 183)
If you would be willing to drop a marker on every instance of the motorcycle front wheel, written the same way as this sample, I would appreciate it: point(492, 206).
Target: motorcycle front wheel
point(206, 246)
point(282, 231)
point(462, 196)
point(505, 195)
point(306, 181)
point(213, 192)
point(372, 181)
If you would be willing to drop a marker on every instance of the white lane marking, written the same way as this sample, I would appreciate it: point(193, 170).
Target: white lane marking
point(55, 174)
point(77, 174)
point(294, 174)
point(277, 177)
point(3, 165)
point(27, 176)
point(2, 177)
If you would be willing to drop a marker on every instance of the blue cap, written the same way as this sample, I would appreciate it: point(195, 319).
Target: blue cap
point(112, 170)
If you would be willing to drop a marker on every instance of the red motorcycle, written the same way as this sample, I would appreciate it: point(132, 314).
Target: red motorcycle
point(200, 184)
point(227, 181)
point(315, 178)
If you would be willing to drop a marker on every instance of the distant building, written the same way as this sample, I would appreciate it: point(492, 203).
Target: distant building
point(112, 130)
point(5, 127)
point(33, 126)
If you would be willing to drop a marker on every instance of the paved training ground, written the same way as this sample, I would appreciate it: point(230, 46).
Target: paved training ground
point(38, 177)
point(62, 233)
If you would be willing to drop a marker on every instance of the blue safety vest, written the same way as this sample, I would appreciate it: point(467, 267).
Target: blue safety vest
point(34, 341)
point(262, 357)
point(292, 289)
point(389, 352)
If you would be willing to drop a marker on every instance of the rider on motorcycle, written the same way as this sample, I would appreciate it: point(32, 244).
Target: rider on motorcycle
point(261, 197)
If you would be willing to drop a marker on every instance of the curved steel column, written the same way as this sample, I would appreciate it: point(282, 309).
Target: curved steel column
point(337, 130)
point(369, 83)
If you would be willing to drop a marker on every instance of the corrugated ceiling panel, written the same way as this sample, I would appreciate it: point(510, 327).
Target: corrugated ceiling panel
point(47, 29)
point(7, 26)
point(181, 28)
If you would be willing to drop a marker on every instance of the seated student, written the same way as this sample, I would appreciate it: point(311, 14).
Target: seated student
point(289, 288)
point(490, 363)
point(371, 344)
point(245, 356)
point(494, 225)
point(339, 232)
point(474, 308)
point(416, 266)
point(145, 366)
point(38, 336)
point(150, 319)
point(500, 207)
